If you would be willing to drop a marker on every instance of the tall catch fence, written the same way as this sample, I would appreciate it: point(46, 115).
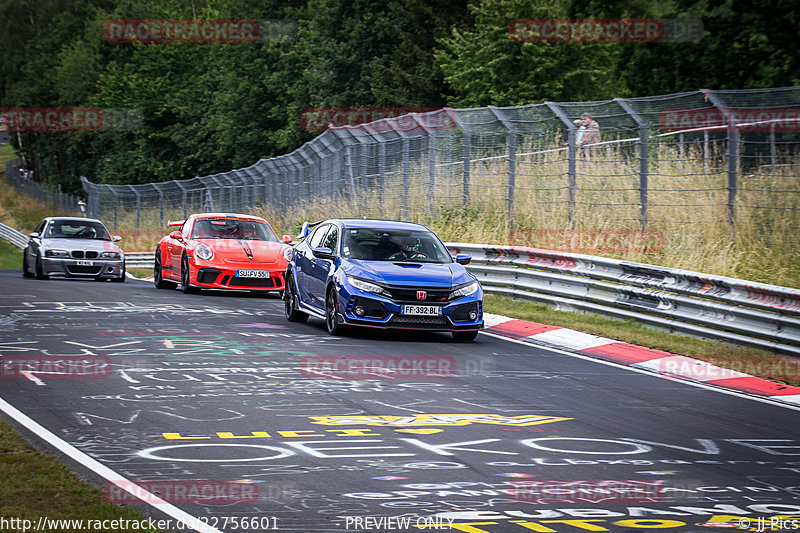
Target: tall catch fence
point(23, 181)
point(702, 157)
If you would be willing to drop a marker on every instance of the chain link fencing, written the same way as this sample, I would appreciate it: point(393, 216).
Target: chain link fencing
point(23, 180)
point(687, 173)
point(718, 155)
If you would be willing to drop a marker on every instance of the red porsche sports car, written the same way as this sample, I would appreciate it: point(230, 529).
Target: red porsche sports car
point(222, 251)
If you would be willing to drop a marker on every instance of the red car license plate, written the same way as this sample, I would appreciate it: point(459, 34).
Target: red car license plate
point(252, 273)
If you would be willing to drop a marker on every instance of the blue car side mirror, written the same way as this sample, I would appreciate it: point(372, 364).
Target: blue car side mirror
point(323, 253)
point(463, 259)
point(303, 232)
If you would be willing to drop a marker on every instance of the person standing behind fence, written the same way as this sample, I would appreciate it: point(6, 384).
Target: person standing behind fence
point(588, 134)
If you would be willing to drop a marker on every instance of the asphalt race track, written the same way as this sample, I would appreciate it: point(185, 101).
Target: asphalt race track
point(225, 410)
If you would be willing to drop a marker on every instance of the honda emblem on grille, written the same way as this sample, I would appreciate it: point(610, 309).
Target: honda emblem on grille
point(421, 295)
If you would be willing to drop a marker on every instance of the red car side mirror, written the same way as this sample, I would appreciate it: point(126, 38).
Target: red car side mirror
point(286, 239)
point(176, 235)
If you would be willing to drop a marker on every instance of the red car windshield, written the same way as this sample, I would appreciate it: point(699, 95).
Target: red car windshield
point(229, 228)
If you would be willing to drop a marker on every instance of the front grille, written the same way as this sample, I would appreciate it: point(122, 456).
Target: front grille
point(80, 269)
point(80, 254)
point(413, 320)
point(409, 294)
point(267, 283)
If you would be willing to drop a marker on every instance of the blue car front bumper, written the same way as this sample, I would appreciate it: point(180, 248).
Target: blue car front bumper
point(363, 308)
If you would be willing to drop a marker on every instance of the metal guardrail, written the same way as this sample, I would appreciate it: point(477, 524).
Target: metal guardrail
point(703, 305)
point(682, 301)
point(20, 240)
point(708, 306)
point(140, 260)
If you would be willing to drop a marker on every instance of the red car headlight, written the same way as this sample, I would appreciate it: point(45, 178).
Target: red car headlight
point(203, 252)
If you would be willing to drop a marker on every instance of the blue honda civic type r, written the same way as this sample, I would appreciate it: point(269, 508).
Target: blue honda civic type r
point(381, 274)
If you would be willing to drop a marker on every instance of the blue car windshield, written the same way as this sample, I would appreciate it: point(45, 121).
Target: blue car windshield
point(394, 245)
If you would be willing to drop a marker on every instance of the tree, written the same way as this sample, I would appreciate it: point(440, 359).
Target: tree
point(485, 66)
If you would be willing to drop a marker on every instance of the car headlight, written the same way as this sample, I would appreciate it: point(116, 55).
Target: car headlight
point(203, 252)
point(56, 253)
point(367, 286)
point(464, 290)
point(287, 254)
point(110, 255)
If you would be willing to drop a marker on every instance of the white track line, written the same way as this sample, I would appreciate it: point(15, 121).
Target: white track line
point(103, 471)
point(732, 392)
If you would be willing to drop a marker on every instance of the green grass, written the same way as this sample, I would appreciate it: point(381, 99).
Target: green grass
point(141, 272)
point(768, 365)
point(10, 255)
point(17, 210)
point(36, 485)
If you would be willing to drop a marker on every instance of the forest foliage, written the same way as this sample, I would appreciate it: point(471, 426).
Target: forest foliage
point(210, 107)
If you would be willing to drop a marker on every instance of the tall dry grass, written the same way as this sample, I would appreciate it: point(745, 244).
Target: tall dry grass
point(687, 208)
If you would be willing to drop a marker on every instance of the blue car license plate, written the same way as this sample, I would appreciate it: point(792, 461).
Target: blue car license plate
point(423, 310)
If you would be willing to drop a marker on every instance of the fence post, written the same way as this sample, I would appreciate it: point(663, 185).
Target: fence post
point(220, 186)
point(643, 158)
point(466, 154)
point(138, 207)
point(772, 146)
point(328, 175)
point(512, 162)
point(157, 187)
point(572, 150)
point(431, 158)
point(732, 152)
point(86, 185)
point(302, 167)
point(184, 199)
point(116, 203)
point(316, 173)
point(405, 158)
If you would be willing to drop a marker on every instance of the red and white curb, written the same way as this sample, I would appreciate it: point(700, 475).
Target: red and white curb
point(664, 363)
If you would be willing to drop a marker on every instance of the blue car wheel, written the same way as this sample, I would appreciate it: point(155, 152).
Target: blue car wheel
point(293, 314)
point(332, 313)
